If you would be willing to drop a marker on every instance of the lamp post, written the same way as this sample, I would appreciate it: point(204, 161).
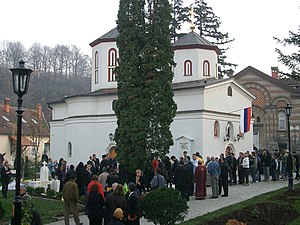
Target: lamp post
point(288, 112)
point(21, 77)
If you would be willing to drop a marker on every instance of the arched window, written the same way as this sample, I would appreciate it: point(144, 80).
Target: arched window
point(229, 133)
point(229, 91)
point(112, 62)
point(216, 129)
point(281, 121)
point(188, 68)
point(258, 120)
point(206, 68)
point(69, 151)
point(96, 78)
point(96, 60)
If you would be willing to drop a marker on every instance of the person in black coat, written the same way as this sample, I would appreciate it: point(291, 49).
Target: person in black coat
point(94, 206)
point(114, 200)
point(223, 181)
point(112, 178)
point(132, 210)
point(190, 167)
point(266, 164)
point(182, 179)
point(69, 173)
point(5, 177)
point(80, 171)
point(234, 168)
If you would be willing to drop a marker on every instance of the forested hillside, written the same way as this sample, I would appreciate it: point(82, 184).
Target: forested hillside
point(58, 72)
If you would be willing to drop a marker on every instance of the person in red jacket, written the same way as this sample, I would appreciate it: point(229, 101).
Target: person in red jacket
point(95, 181)
point(155, 164)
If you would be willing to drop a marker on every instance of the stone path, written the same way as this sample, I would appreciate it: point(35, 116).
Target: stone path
point(237, 193)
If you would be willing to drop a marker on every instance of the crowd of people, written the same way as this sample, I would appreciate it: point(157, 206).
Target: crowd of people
point(113, 194)
point(109, 187)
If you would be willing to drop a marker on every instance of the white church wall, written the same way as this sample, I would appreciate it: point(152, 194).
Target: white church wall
point(197, 57)
point(180, 56)
point(87, 135)
point(105, 106)
point(191, 99)
point(216, 99)
point(58, 139)
point(102, 49)
point(59, 111)
point(81, 106)
point(190, 126)
point(211, 57)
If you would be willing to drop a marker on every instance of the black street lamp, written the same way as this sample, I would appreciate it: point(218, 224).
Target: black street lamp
point(111, 136)
point(288, 113)
point(21, 77)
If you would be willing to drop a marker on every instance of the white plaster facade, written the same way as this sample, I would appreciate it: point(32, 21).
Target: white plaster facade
point(81, 124)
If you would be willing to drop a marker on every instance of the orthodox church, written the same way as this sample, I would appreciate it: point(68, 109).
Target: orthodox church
point(208, 109)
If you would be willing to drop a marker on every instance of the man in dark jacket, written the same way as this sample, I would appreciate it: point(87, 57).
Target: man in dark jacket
point(182, 179)
point(5, 177)
point(223, 177)
point(133, 206)
point(71, 198)
point(266, 163)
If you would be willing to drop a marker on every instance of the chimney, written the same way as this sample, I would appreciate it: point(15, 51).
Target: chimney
point(39, 111)
point(7, 105)
point(274, 71)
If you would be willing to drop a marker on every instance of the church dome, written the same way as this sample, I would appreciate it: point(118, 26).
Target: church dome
point(194, 40)
point(110, 36)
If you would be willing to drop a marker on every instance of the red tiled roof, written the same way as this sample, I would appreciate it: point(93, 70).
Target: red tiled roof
point(24, 141)
point(8, 122)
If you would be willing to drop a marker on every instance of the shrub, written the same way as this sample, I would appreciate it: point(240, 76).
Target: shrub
point(2, 210)
point(82, 200)
point(50, 193)
point(59, 195)
point(164, 206)
point(30, 190)
point(39, 190)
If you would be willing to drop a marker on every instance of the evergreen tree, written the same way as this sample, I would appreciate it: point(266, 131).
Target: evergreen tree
point(145, 106)
point(178, 15)
point(292, 61)
point(130, 134)
point(158, 62)
point(209, 26)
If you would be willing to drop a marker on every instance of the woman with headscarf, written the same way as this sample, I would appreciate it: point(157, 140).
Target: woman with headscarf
point(118, 217)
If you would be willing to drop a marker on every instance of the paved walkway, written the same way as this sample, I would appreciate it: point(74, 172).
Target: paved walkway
point(237, 193)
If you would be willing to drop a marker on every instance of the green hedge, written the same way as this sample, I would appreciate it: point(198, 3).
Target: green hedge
point(164, 206)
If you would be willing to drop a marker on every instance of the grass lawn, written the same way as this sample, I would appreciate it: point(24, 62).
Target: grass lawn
point(46, 207)
point(272, 197)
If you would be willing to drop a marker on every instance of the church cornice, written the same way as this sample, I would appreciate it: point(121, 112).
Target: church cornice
point(198, 46)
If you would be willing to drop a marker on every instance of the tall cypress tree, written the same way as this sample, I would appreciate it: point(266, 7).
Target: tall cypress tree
point(130, 134)
point(145, 106)
point(158, 61)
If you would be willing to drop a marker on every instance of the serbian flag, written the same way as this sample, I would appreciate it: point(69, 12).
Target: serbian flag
point(245, 120)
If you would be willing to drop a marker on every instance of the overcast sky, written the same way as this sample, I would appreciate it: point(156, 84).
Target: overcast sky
point(76, 22)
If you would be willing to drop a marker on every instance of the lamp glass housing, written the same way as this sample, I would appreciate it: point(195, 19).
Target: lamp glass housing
point(21, 77)
point(288, 110)
point(111, 136)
